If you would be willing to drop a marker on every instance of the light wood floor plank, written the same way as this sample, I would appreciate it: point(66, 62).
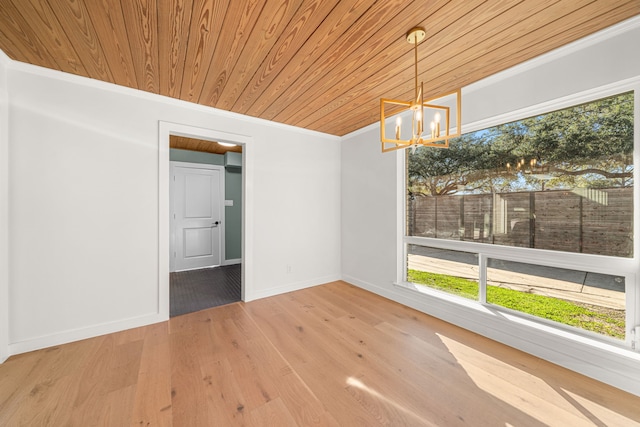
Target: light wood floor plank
point(332, 355)
point(152, 401)
point(273, 413)
point(384, 371)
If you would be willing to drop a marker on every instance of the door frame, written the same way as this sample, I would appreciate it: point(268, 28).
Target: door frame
point(172, 237)
point(165, 130)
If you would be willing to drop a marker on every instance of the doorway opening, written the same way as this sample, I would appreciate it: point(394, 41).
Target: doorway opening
point(204, 228)
point(205, 218)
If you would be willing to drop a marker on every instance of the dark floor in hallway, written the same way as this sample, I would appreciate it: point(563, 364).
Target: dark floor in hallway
point(197, 290)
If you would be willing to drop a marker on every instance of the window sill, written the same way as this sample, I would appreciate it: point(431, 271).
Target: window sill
point(513, 323)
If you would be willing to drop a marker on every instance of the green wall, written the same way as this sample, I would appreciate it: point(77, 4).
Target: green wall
point(232, 191)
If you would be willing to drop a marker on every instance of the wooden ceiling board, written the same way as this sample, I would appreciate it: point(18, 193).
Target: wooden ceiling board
point(112, 27)
point(78, 27)
point(336, 23)
point(201, 145)
point(22, 40)
point(274, 18)
point(359, 33)
point(299, 30)
point(174, 19)
point(206, 20)
point(50, 33)
point(142, 26)
point(318, 64)
point(240, 18)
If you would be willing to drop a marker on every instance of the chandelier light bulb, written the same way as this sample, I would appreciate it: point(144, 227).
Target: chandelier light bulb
point(419, 123)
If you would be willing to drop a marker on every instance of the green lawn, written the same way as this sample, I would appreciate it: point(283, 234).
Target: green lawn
point(588, 317)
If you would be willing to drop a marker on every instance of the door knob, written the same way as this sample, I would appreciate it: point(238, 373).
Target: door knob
point(215, 223)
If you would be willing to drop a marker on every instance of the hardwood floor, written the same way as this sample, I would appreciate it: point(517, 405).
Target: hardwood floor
point(332, 355)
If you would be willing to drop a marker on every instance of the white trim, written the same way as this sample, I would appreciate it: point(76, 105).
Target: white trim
point(607, 363)
point(165, 129)
point(223, 220)
point(576, 261)
point(550, 326)
point(482, 277)
point(4, 211)
point(401, 215)
point(277, 290)
point(633, 295)
point(78, 334)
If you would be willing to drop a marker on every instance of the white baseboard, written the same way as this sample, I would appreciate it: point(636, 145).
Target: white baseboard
point(83, 333)
point(612, 365)
point(232, 261)
point(290, 287)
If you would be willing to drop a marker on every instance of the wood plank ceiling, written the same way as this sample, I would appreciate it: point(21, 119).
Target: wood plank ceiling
point(316, 64)
point(192, 144)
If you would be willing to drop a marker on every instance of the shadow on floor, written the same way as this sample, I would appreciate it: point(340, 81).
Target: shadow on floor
point(197, 290)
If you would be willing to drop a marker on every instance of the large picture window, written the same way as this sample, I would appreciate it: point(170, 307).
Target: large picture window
point(560, 181)
point(557, 182)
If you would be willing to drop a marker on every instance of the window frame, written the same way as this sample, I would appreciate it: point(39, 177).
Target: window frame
point(629, 268)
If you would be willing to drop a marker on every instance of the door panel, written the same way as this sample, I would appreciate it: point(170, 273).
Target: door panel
point(198, 242)
point(197, 192)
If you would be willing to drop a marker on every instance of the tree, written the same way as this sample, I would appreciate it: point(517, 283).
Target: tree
point(589, 145)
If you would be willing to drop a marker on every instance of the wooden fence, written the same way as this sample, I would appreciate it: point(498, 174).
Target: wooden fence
point(592, 221)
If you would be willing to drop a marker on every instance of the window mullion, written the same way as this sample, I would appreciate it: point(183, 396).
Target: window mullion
point(482, 278)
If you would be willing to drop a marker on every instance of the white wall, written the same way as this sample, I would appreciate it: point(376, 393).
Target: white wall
point(371, 186)
point(369, 210)
point(84, 205)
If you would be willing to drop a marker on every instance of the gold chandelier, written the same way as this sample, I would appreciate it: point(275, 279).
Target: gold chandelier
point(440, 130)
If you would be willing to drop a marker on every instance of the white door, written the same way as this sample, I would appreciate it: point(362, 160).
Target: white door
point(197, 215)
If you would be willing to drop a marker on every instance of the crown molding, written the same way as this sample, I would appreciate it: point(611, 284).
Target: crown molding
point(152, 97)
